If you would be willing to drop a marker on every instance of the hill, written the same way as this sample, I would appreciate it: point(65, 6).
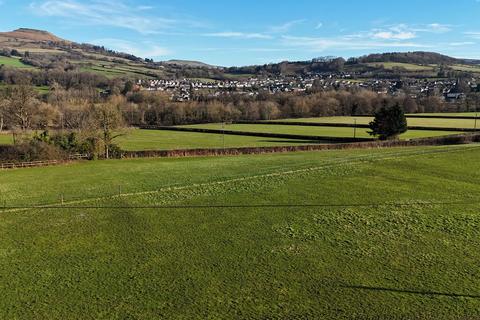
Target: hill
point(187, 63)
point(44, 50)
point(31, 35)
point(418, 57)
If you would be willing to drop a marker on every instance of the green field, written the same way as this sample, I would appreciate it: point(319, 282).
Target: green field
point(406, 66)
point(451, 114)
point(13, 62)
point(419, 122)
point(136, 140)
point(313, 131)
point(6, 138)
point(410, 257)
point(466, 68)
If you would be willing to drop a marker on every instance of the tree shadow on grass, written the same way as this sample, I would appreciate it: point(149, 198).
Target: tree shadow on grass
point(294, 142)
point(408, 291)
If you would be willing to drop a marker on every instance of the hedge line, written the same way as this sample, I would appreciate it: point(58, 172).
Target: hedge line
point(351, 125)
point(436, 141)
point(260, 134)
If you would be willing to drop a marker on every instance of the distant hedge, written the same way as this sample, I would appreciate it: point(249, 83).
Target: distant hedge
point(436, 141)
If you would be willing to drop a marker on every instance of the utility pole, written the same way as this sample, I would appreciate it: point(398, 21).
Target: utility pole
point(223, 134)
point(355, 128)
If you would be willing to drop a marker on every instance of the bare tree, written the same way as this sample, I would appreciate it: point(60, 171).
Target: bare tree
point(107, 120)
point(21, 106)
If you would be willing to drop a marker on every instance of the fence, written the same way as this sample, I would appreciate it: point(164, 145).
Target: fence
point(351, 125)
point(260, 134)
point(436, 141)
point(44, 163)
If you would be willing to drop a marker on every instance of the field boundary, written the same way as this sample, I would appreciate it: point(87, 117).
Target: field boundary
point(355, 160)
point(350, 125)
point(259, 134)
point(435, 141)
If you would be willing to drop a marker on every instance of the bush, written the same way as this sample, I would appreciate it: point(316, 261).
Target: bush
point(31, 151)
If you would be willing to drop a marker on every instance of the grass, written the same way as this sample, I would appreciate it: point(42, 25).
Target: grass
point(6, 138)
point(14, 62)
point(451, 114)
point(411, 262)
point(466, 68)
point(136, 140)
point(407, 66)
point(314, 131)
point(433, 122)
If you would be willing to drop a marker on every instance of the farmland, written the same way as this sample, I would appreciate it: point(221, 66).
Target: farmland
point(412, 256)
point(6, 139)
point(136, 140)
point(312, 131)
point(406, 66)
point(420, 122)
point(13, 62)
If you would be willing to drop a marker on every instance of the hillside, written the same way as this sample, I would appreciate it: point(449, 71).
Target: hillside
point(43, 50)
point(30, 35)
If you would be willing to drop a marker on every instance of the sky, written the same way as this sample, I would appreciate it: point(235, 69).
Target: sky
point(251, 32)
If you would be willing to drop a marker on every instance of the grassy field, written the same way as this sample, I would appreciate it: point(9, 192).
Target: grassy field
point(407, 66)
point(451, 114)
point(313, 131)
point(13, 62)
point(433, 122)
point(418, 260)
point(136, 140)
point(466, 68)
point(6, 139)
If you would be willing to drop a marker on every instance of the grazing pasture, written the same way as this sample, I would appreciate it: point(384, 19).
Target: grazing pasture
point(313, 131)
point(387, 242)
point(137, 140)
point(6, 138)
point(14, 62)
point(417, 122)
point(406, 66)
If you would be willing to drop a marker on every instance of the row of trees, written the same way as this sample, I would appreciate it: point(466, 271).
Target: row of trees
point(97, 120)
point(22, 108)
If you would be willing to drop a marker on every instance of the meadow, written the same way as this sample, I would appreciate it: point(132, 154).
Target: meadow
point(137, 140)
point(387, 242)
point(13, 62)
point(406, 66)
point(313, 131)
point(418, 122)
point(6, 139)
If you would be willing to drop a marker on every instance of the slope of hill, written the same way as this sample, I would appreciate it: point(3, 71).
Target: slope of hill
point(417, 57)
point(187, 63)
point(48, 51)
point(31, 35)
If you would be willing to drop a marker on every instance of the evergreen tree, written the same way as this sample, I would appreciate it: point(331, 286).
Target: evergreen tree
point(389, 123)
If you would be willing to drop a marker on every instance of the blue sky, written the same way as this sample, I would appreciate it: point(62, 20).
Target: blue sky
point(255, 31)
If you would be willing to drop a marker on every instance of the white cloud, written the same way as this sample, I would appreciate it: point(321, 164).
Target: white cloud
point(285, 27)
point(344, 43)
point(389, 35)
point(438, 28)
point(461, 44)
point(144, 49)
point(107, 13)
point(319, 25)
point(473, 34)
point(238, 35)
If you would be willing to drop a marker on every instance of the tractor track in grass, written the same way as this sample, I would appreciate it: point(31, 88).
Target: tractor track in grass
point(354, 161)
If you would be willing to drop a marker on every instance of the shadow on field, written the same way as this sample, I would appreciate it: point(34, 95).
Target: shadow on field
point(298, 141)
point(421, 292)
